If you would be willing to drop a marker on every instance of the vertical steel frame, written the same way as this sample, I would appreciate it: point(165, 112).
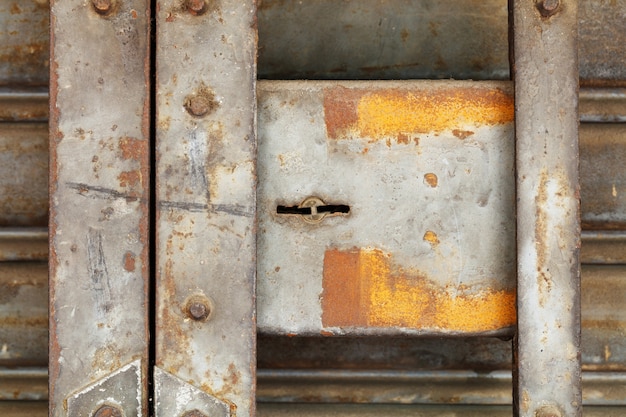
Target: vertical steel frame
point(548, 227)
point(99, 192)
point(205, 208)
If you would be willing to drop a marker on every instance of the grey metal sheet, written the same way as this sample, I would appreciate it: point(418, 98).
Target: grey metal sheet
point(99, 182)
point(205, 219)
point(547, 355)
point(426, 169)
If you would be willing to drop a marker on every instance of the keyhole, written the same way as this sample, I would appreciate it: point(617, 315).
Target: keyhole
point(313, 210)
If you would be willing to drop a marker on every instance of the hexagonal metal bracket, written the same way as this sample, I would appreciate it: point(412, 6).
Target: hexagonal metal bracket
point(121, 389)
point(175, 397)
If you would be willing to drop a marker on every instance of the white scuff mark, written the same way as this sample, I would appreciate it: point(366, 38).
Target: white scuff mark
point(614, 191)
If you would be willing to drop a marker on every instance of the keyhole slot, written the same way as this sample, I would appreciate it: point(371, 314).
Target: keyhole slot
point(313, 210)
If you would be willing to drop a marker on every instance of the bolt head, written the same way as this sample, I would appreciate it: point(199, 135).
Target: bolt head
point(108, 411)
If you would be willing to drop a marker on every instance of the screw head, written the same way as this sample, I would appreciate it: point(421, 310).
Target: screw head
point(197, 7)
point(103, 7)
point(194, 413)
point(108, 411)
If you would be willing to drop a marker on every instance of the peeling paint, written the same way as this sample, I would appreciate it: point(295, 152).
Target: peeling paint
point(362, 287)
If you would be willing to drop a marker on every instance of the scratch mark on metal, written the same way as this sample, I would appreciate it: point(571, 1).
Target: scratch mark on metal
point(98, 271)
point(94, 191)
point(234, 209)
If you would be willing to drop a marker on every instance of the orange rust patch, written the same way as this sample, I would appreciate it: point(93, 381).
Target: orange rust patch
point(129, 178)
point(132, 148)
point(362, 289)
point(399, 113)
point(431, 179)
point(431, 237)
point(129, 261)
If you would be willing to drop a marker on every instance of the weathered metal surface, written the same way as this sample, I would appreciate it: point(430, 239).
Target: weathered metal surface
point(547, 357)
point(603, 247)
point(376, 39)
point(121, 390)
point(24, 42)
point(29, 244)
point(483, 354)
point(24, 171)
point(205, 243)
point(24, 408)
point(603, 177)
point(416, 387)
point(23, 314)
point(430, 164)
point(24, 384)
point(602, 42)
point(24, 179)
point(175, 397)
point(602, 105)
point(389, 410)
point(99, 182)
point(603, 318)
point(23, 105)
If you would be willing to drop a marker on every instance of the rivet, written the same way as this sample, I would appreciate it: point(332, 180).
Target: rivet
point(548, 7)
point(198, 106)
point(198, 311)
point(194, 413)
point(548, 411)
point(108, 411)
point(198, 308)
point(197, 7)
point(103, 7)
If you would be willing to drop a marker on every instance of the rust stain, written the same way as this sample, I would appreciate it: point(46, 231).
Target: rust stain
point(362, 288)
point(431, 179)
point(132, 148)
point(129, 178)
point(403, 113)
point(544, 279)
point(462, 134)
point(431, 237)
point(129, 261)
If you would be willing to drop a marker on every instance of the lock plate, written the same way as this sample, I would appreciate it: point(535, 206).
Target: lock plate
point(427, 171)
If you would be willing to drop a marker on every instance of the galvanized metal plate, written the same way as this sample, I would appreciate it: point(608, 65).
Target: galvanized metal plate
point(426, 169)
point(99, 182)
point(206, 243)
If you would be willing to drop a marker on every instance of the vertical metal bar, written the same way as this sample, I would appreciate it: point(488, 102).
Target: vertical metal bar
point(99, 182)
point(205, 224)
point(548, 227)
